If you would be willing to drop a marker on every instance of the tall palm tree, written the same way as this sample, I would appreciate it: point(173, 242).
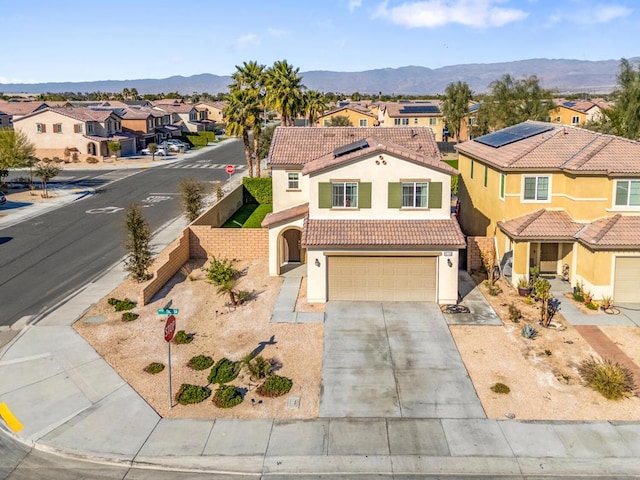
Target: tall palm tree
point(241, 110)
point(284, 90)
point(314, 105)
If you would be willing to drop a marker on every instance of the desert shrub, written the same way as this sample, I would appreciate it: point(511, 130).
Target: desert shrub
point(221, 271)
point(226, 396)
point(528, 332)
point(192, 394)
point(275, 386)
point(514, 313)
point(126, 304)
point(259, 188)
point(129, 316)
point(591, 305)
point(258, 367)
point(154, 368)
point(500, 388)
point(183, 337)
point(113, 301)
point(613, 380)
point(92, 160)
point(578, 297)
point(223, 371)
point(494, 290)
point(200, 362)
point(547, 352)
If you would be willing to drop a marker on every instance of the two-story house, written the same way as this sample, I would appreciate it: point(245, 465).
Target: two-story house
point(574, 112)
point(368, 210)
point(553, 195)
point(358, 116)
point(420, 113)
point(188, 117)
point(88, 131)
point(215, 110)
point(12, 110)
point(145, 123)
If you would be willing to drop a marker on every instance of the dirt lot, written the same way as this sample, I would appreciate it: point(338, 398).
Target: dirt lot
point(541, 373)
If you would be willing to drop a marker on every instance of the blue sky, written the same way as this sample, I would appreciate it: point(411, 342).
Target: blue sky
point(75, 40)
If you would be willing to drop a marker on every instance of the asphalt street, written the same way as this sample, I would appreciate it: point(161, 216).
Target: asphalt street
point(44, 259)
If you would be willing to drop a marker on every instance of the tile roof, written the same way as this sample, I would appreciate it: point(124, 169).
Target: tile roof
point(542, 225)
point(84, 114)
point(393, 109)
point(20, 108)
point(285, 215)
point(355, 108)
point(382, 233)
point(299, 145)
point(566, 148)
point(375, 145)
point(219, 104)
point(180, 108)
point(618, 231)
point(582, 106)
point(141, 113)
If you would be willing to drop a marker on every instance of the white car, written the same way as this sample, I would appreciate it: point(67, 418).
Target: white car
point(176, 145)
point(159, 151)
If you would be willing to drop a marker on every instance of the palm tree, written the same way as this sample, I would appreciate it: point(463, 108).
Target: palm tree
point(314, 105)
point(284, 90)
point(242, 110)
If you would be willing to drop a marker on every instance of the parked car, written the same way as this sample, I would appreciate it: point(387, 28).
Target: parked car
point(177, 145)
point(3, 199)
point(159, 151)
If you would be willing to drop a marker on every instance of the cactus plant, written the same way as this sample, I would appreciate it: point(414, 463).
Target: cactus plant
point(529, 332)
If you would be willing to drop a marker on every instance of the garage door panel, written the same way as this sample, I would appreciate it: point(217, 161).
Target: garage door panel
point(382, 278)
point(627, 280)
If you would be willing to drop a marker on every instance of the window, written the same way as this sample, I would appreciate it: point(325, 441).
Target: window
point(558, 119)
point(628, 193)
point(472, 164)
point(77, 128)
point(364, 122)
point(57, 128)
point(575, 120)
point(327, 122)
point(536, 188)
point(401, 121)
point(503, 180)
point(486, 176)
point(433, 121)
point(293, 181)
point(89, 128)
point(396, 121)
point(41, 128)
point(344, 194)
point(405, 121)
point(415, 194)
point(193, 116)
point(415, 121)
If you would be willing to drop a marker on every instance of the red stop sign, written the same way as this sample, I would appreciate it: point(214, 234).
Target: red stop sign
point(230, 169)
point(169, 328)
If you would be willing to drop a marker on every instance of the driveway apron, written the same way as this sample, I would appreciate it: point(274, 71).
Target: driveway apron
point(395, 359)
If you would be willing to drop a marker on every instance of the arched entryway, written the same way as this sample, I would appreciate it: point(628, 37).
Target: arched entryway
point(91, 148)
point(291, 251)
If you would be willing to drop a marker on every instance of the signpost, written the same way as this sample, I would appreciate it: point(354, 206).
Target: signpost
point(169, 332)
point(230, 170)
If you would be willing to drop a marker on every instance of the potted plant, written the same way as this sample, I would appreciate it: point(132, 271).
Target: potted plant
point(524, 289)
point(606, 302)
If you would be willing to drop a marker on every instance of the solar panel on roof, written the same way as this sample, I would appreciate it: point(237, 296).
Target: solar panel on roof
point(569, 104)
point(512, 134)
point(419, 109)
point(350, 147)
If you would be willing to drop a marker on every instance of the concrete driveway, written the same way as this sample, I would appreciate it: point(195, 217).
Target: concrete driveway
point(393, 360)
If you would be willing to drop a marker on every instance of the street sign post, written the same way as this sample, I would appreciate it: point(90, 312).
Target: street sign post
point(168, 305)
point(169, 331)
point(168, 311)
point(230, 170)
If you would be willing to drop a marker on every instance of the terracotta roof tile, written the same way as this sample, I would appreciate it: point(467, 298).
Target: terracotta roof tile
point(20, 108)
point(571, 149)
point(285, 215)
point(542, 224)
point(355, 108)
point(382, 233)
point(299, 145)
point(619, 231)
point(393, 109)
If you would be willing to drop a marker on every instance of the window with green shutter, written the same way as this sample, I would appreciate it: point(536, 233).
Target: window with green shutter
point(502, 182)
point(486, 175)
point(472, 164)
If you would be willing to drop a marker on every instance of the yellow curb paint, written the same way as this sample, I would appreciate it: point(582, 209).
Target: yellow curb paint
point(11, 421)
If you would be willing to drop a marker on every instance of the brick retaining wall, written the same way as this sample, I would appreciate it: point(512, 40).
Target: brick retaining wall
point(475, 245)
point(240, 243)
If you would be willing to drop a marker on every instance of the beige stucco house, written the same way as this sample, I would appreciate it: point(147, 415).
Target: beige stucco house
point(215, 110)
point(367, 210)
point(420, 113)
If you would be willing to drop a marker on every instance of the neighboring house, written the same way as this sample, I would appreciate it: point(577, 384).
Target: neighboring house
point(215, 110)
point(145, 124)
point(6, 120)
point(554, 195)
point(469, 121)
point(16, 109)
point(358, 116)
point(368, 210)
point(89, 131)
point(574, 112)
point(188, 117)
point(414, 114)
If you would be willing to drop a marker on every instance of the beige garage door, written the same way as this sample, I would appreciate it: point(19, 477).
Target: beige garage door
point(392, 279)
point(627, 280)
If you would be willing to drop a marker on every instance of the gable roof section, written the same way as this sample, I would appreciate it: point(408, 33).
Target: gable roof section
point(382, 233)
point(21, 108)
point(353, 108)
point(564, 148)
point(371, 146)
point(285, 215)
point(299, 145)
point(81, 114)
point(542, 225)
point(618, 231)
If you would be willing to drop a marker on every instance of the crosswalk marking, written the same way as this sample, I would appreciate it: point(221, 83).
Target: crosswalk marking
point(214, 166)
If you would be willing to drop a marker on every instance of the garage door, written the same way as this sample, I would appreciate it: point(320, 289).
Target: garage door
point(627, 280)
point(392, 279)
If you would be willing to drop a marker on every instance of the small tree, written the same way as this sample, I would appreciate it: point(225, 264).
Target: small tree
point(15, 148)
point(114, 148)
point(153, 148)
point(45, 172)
point(67, 155)
point(340, 121)
point(140, 256)
point(543, 293)
point(192, 192)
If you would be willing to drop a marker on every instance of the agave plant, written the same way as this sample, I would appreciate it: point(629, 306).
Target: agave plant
point(529, 332)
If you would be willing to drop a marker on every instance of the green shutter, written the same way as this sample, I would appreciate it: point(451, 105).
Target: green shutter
point(472, 163)
point(364, 195)
point(435, 195)
point(395, 195)
point(324, 195)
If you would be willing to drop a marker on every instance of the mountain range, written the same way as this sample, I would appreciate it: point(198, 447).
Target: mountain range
point(562, 76)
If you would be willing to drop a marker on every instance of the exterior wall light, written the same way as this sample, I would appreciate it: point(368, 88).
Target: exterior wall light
point(449, 262)
point(317, 262)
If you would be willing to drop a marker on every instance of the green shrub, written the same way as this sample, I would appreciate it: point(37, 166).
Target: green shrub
point(221, 271)
point(223, 371)
point(255, 220)
point(126, 304)
point(154, 368)
point(514, 313)
point(200, 362)
point(258, 367)
point(494, 290)
point(113, 301)
point(591, 305)
point(275, 386)
point(454, 183)
point(612, 380)
point(196, 140)
point(183, 337)
point(91, 160)
point(226, 396)
point(500, 388)
point(129, 316)
point(259, 188)
point(192, 394)
point(578, 297)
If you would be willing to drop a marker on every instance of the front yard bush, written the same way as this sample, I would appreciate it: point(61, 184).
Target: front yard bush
point(182, 337)
point(227, 396)
point(613, 380)
point(196, 140)
point(223, 371)
point(500, 388)
point(275, 386)
point(123, 305)
point(259, 188)
point(154, 368)
point(255, 220)
point(200, 362)
point(258, 367)
point(129, 316)
point(221, 271)
point(192, 394)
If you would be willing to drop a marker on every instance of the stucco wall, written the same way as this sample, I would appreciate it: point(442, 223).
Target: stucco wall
point(222, 210)
point(284, 198)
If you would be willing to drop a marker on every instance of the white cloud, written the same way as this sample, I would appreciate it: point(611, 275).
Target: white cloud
point(14, 80)
point(353, 4)
point(437, 13)
point(247, 40)
point(606, 13)
point(277, 32)
point(590, 15)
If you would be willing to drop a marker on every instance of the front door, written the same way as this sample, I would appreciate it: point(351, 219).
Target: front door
point(549, 258)
point(292, 239)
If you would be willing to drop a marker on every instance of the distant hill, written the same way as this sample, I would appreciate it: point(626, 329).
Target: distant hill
point(560, 75)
